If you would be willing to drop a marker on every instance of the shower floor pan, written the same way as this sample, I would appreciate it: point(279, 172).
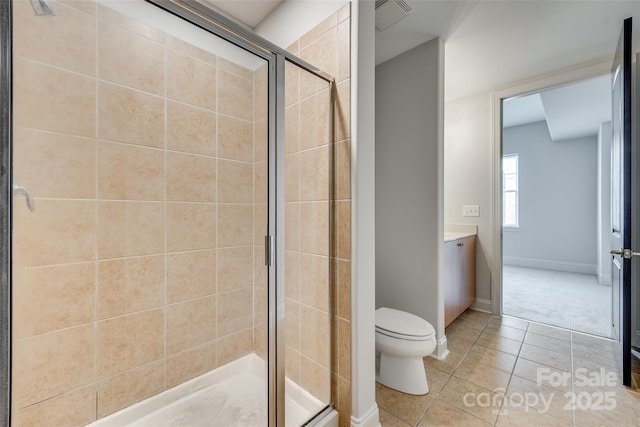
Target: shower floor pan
point(231, 395)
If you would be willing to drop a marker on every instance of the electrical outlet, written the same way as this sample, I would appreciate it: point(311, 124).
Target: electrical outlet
point(471, 210)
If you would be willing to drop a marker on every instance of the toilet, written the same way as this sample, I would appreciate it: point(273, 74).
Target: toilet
point(402, 340)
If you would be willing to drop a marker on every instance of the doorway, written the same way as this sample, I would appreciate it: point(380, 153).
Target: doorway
point(554, 187)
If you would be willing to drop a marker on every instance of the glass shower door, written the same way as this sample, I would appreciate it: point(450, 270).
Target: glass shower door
point(308, 311)
point(140, 210)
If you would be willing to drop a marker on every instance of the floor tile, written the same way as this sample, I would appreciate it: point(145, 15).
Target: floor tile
point(546, 357)
point(436, 380)
point(546, 400)
point(559, 346)
point(516, 414)
point(593, 342)
point(475, 400)
point(497, 342)
point(482, 375)
point(389, 420)
point(542, 374)
point(461, 334)
point(494, 358)
point(407, 407)
point(549, 331)
point(443, 414)
point(509, 321)
point(505, 331)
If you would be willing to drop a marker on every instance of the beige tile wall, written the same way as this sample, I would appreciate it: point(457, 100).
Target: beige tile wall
point(311, 267)
point(140, 266)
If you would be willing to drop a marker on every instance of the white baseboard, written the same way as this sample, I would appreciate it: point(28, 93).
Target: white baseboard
point(543, 264)
point(604, 280)
point(483, 305)
point(441, 350)
point(370, 419)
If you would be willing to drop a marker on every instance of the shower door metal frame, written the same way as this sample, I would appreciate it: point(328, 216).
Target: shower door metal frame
point(6, 186)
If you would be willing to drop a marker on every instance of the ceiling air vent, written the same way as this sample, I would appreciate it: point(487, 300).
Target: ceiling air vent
point(388, 12)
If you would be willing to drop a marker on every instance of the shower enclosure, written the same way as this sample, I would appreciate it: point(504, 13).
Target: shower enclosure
point(170, 240)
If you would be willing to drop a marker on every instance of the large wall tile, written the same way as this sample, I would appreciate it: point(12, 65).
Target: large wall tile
point(191, 275)
point(235, 268)
point(54, 166)
point(314, 119)
point(49, 298)
point(56, 232)
point(235, 225)
point(52, 364)
point(127, 115)
point(191, 80)
point(235, 311)
point(191, 226)
point(130, 387)
point(314, 281)
point(130, 229)
point(314, 342)
point(127, 172)
point(52, 99)
point(70, 38)
point(314, 174)
point(261, 182)
point(314, 226)
point(130, 341)
point(129, 59)
point(315, 378)
point(235, 97)
point(323, 51)
point(191, 178)
point(260, 140)
point(235, 346)
point(234, 68)
point(191, 363)
point(76, 408)
point(235, 139)
point(235, 182)
point(191, 129)
point(182, 318)
point(129, 285)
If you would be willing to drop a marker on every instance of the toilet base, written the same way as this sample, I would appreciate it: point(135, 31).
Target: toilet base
point(405, 374)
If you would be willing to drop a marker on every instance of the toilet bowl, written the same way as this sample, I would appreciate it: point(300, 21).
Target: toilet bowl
point(402, 340)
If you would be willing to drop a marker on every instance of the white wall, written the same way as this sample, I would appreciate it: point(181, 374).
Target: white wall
point(467, 179)
point(409, 183)
point(558, 207)
point(604, 204)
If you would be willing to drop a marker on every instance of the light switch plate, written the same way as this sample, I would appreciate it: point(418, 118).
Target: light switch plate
point(471, 210)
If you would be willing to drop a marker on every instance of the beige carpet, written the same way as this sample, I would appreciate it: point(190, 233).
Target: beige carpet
point(567, 300)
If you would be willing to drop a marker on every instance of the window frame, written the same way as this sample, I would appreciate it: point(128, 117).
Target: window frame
point(515, 225)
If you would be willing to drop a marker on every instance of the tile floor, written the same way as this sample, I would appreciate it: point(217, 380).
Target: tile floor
point(504, 371)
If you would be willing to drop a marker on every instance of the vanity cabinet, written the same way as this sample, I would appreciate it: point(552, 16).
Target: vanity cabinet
point(459, 277)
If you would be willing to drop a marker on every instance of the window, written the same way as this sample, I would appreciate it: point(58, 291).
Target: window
point(510, 190)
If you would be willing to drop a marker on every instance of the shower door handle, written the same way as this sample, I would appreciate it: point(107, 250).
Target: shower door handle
point(269, 250)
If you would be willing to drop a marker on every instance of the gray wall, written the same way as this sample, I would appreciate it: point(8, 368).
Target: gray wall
point(409, 182)
point(604, 204)
point(558, 201)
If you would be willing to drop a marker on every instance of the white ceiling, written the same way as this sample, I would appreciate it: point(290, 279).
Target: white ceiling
point(491, 44)
point(571, 111)
point(249, 12)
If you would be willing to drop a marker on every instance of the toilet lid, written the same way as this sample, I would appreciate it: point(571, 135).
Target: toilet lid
point(402, 323)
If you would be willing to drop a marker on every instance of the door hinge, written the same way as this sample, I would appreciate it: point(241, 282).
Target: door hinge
point(269, 250)
point(625, 253)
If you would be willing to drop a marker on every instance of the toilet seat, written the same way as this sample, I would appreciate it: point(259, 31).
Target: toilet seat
point(402, 325)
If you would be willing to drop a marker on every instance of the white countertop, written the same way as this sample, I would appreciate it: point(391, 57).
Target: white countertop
point(455, 235)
